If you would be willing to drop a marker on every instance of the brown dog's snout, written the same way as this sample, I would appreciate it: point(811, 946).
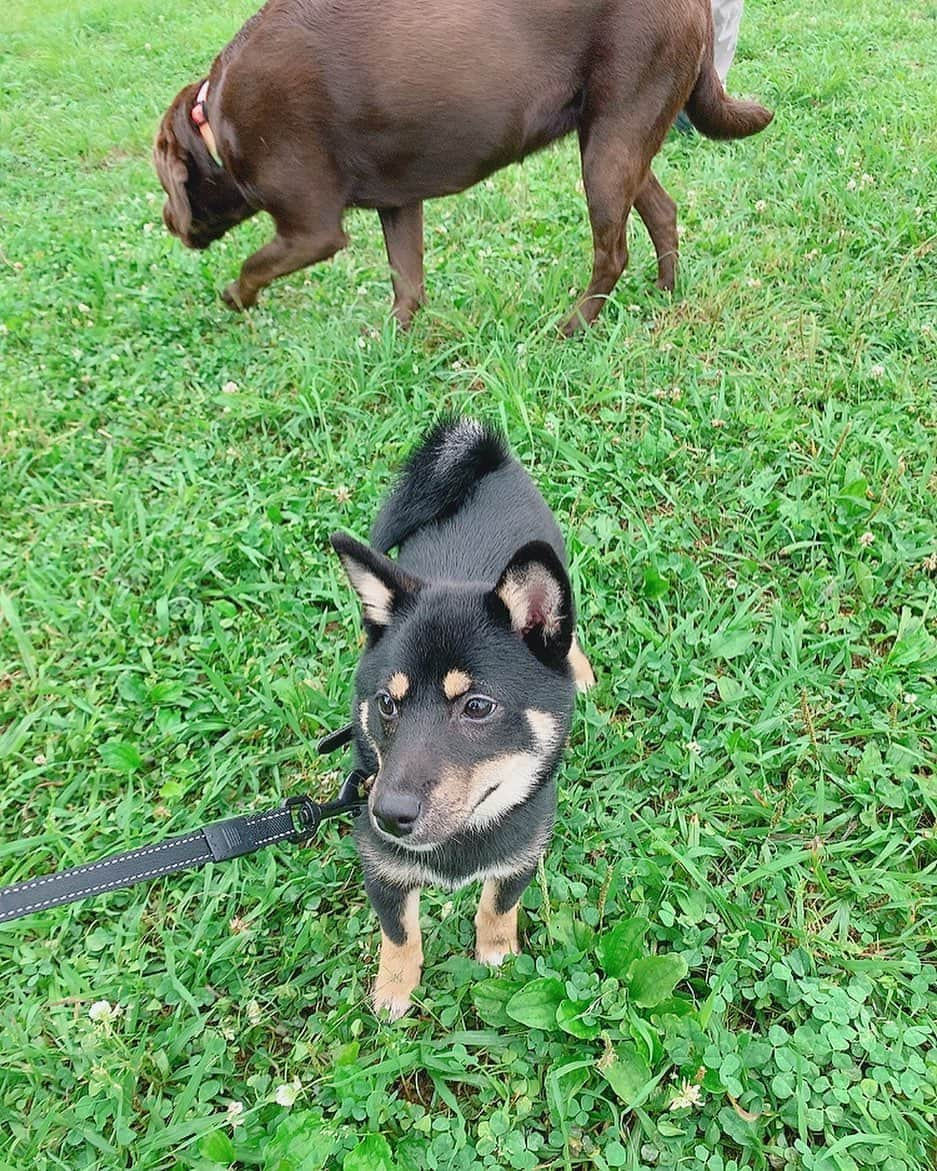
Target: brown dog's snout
point(396, 812)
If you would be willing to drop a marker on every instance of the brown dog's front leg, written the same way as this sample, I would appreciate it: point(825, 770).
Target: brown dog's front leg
point(403, 237)
point(659, 213)
point(285, 253)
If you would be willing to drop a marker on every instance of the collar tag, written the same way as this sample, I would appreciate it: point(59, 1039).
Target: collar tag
point(200, 118)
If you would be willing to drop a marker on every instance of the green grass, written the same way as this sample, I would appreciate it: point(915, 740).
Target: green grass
point(746, 473)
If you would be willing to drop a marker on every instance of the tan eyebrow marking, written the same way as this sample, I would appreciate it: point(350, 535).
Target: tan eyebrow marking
point(398, 685)
point(456, 683)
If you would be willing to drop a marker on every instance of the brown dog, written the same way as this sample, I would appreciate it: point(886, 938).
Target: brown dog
point(320, 105)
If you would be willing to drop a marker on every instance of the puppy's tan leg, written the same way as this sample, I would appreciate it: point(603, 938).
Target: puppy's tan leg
point(495, 925)
point(659, 213)
point(401, 962)
point(403, 237)
point(580, 667)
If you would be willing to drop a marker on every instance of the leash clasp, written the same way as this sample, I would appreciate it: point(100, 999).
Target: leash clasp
point(306, 816)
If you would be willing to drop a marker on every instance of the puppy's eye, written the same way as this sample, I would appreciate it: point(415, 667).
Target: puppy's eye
point(478, 707)
point(386, 705)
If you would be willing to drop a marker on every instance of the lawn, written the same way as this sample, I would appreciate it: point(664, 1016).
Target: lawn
point(747, 475)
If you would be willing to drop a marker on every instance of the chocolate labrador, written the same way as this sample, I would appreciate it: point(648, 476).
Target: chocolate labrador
point(320, 105)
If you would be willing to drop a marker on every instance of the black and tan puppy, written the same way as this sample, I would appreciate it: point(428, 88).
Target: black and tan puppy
point(464, 693)
point(321, 105)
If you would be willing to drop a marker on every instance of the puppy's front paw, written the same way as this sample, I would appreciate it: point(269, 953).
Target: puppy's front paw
point(398, 974)
point(495, 951)
point(394, 1002)
point(393, 990)
point(496, 937)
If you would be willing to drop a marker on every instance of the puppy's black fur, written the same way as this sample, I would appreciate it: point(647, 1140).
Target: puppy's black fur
point(464, 694)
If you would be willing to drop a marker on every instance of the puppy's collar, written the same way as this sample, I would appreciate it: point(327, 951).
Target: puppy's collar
point(200, 118)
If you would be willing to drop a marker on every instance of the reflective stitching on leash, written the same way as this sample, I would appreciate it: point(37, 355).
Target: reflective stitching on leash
point(135, 854)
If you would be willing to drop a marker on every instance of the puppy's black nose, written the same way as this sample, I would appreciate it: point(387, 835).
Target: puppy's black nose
point(396, 813)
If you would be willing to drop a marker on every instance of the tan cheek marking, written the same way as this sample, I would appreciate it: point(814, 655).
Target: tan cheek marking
point(511, 777)
point(543, 726)
point(495, 935)
point(401, 964)
point(456, 683)
point(398, 685)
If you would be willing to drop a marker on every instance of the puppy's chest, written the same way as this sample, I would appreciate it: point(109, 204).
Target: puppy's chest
point(408, 874)
point(456, 869)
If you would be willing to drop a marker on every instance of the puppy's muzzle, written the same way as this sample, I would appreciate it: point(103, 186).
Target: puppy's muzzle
point(396, 814)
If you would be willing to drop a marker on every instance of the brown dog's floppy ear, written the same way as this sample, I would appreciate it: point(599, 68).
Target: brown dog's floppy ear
point(534, 596)
point(382, 586)
point(169, 160)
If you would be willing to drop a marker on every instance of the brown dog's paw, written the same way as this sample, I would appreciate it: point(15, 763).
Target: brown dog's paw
point(403, 313)
point(232, 298)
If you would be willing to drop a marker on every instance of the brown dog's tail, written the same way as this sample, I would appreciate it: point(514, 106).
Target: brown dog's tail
point(710, 108)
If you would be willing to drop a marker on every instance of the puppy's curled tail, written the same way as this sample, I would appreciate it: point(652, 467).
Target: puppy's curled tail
point(437, 478)
point(710, 108)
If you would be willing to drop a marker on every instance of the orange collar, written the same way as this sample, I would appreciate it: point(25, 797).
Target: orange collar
point(200, 118)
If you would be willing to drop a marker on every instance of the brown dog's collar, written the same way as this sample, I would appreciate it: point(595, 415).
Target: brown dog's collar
point(200, 118)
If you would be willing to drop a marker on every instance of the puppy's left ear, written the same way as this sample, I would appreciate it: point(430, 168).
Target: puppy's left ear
point(533, 594)
point(383, 587)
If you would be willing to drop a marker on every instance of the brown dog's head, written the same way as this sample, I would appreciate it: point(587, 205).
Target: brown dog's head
point(203, 200)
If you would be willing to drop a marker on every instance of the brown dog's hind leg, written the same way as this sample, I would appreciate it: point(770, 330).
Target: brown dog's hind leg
point(289, 250)
point(403, 237)
point(401, 952)
point(613, 172)
point(659, 213)
point(581, 668)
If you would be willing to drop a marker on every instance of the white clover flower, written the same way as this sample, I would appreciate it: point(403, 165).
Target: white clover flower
point(909, 698)
point(694, 748)
point(866, 539)
point(102, 1012)
point(235, 1114)
point(254, 1013)
point(689, 1095)
point(877, 371)
point(287, 1094)
point(229, 388)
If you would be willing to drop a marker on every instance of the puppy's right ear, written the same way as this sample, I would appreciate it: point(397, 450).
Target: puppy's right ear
point(383, 587)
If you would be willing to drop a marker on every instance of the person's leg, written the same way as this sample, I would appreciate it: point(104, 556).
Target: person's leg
point(727, 17)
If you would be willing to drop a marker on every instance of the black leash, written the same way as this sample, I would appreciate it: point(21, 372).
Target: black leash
point(296, 820)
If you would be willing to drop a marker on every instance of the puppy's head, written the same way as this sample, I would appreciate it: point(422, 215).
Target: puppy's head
point(202, 199)
point(463, 695)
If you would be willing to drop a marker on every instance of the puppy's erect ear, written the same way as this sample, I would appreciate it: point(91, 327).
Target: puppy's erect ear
point(383, 587)
point(534, 596)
